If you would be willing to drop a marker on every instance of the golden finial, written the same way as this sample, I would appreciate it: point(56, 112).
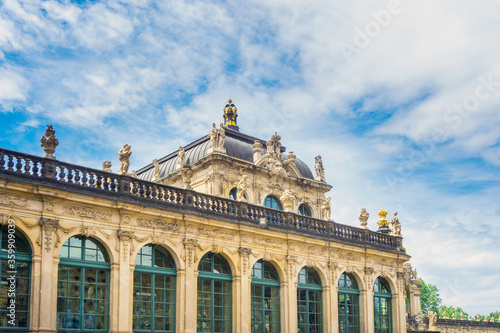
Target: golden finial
point(230, 115)
point(383, 218)
point(383, 214)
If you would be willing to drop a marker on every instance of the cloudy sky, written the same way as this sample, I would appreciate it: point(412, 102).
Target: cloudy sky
point(401, 98)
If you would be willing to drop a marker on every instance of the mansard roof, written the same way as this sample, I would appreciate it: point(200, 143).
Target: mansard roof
point(237, 145)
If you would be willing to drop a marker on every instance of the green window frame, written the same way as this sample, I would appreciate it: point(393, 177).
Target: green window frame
point(304, 210)
point(382, 305)
point(272, 202)
point(154, 290)
point(265, 298)
point(83, 286)
point(20, 256)
point(348, 294)
point(309, 302)
point(214, 311)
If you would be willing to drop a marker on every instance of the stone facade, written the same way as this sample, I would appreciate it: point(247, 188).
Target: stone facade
point(51, 201)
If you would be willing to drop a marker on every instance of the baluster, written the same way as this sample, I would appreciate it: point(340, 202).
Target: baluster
point(84, 178)
point(91, 179)
point(77, 177)
point(106, 184)
point(19, 165)
point(27, 167)
point(10, 164)
point(70, 176)
point(62, 175)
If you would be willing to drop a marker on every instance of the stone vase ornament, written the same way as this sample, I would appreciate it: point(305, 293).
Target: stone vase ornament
point(49, 142)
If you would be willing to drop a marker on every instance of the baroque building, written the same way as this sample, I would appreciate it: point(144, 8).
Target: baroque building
point(228, 234)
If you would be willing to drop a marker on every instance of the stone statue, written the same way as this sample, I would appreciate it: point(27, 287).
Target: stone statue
point(49, 142)
point(453, 317)
point(221, 137)
point(106, 166)
point(273, 148)
point(326, 208)
point(395, 225)
point(363, 218)
point(181, 156)
point(242, 188)
point(217, 139)
point(291, 157)
point(478, 318)
point(462, 316)
point(432, 320)
point(320, 171)
point(419, 318)
point(156, 171)
point(124, 157)
point(134, 174)
point(213, 136)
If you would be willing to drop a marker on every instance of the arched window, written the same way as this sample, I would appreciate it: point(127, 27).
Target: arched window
point(265, 298)
point(309, 303)
point(348, 304)
point(83, 286)
point(214, 295)
point(154, 290)
point(304, 210)
point(273, 202)
point(14, 241)
point(233, 194)
point(382, 306)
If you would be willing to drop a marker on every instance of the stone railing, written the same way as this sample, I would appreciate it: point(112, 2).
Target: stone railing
point(74, 178)
point(455, 326)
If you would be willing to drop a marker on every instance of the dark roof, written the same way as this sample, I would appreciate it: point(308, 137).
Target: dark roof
point(238, 145)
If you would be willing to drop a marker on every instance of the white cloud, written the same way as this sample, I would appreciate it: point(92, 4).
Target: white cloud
point(13, 86)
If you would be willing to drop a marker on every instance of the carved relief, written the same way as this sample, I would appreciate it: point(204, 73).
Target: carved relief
point(369, 277)
point(291, 265)
point(87, 213)
point(339, 254)
point(310, 263)
point(13, 201)
point(189, 245)
point(244, 254)
point(268, 242)
point(88, 231)
point(215, 233)
point(125, 238)
point(49, 226)
point(157, 223)
point(48, 206)
point(125, 218)
point(333, 266)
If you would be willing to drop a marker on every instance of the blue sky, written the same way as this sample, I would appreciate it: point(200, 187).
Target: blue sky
point(400, 98)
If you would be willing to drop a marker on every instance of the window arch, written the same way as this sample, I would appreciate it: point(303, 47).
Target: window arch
point(214, 295)
point(309, 302)
point(154, 290)
point(265, 298)
point(83, 286)
point(272, 202)
point(348, 304)
point(305, 210)
point(382, 305)
point(13, 240)
point(233, 194)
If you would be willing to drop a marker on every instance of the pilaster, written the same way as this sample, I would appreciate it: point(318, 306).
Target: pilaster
point(245, 288)
point(48, 277)
point(124, 320)
point(189, 312)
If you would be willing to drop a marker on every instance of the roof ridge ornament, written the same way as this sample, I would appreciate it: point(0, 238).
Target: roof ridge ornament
point(230, 116)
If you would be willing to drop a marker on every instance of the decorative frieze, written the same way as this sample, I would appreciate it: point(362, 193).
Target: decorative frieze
point(13, 201)
point(158, 223)
point(213, 233)
point(88, 213)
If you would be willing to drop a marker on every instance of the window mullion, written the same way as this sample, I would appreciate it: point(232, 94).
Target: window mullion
point(152, 299)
